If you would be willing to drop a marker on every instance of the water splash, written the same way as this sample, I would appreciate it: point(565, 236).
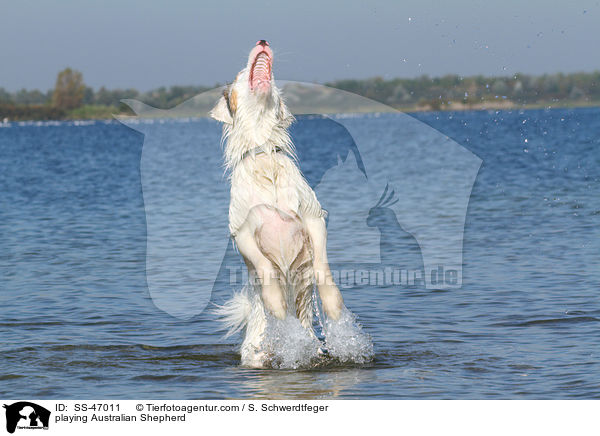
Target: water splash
point(346, 341)
point(289, 344)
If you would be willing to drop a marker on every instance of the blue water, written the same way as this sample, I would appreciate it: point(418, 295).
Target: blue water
point(77, 320)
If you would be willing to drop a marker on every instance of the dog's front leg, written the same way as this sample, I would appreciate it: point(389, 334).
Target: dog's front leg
point(271, 292)
point(331, 298)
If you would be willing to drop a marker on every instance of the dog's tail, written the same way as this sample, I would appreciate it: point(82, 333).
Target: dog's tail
point(235, 313)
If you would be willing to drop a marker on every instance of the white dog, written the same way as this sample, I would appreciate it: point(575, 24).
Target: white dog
point(275, 218)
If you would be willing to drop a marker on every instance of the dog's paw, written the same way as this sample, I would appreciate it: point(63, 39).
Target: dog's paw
point(332, 304)
point(256, 360)
point(323, 352)
point(346, 341)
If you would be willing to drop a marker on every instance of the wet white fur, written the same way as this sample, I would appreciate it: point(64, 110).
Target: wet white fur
point(275, 219)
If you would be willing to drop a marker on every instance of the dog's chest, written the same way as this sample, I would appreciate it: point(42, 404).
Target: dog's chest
point(267, 181)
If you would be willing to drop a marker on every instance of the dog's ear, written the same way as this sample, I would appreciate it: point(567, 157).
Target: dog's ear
point(285, 116)
point(221, 110)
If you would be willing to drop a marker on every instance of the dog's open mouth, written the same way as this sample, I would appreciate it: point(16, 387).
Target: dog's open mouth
point(260, 72)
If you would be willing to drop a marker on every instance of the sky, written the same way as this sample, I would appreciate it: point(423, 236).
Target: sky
point(147, 44)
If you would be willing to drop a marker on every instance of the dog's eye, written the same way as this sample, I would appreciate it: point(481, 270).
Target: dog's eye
point(231, 99)
point(226, 96)
point(232, 102)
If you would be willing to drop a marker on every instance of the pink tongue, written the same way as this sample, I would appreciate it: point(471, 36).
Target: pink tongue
point(260, 74)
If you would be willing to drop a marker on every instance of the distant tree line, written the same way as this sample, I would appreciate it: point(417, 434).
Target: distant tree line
point(521, 89)
point(163, 97)
point(72, 98)
point(70, 92)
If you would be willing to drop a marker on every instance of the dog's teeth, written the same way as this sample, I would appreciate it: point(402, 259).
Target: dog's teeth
point(261, 69)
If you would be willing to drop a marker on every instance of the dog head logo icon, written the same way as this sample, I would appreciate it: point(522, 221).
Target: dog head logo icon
point(24, 414)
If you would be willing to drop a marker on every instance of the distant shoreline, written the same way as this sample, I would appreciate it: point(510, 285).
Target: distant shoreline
point(105, 113)
point(420, 94)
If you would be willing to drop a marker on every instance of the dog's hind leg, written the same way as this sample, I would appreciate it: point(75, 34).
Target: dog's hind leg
point(253, 354)
point(302, 281)
point(331, 298)
point(271, 292)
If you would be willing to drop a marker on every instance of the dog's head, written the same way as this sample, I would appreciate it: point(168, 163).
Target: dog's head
point(251, 107)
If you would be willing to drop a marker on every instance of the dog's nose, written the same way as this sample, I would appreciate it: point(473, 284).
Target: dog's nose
point(263, 43)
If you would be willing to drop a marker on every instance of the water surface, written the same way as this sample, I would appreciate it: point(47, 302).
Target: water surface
point(77, 320)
